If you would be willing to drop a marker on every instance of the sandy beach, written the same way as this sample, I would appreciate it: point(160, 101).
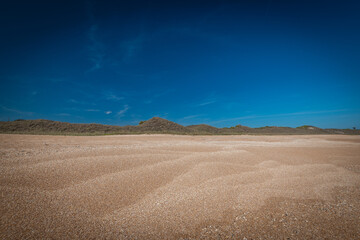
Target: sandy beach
point(180, 187)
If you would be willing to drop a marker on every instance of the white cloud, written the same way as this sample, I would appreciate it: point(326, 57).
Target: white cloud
point(113, 97)
point(108, 112)
point(192, 116)
point(92, 110)
point(207, 102)
point(123, 111)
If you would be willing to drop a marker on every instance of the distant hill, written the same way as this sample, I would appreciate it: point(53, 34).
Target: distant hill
point(155, 125)
point(53, 127)
point(204, 128)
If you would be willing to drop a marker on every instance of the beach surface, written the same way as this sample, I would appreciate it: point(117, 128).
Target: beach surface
point(179, 187)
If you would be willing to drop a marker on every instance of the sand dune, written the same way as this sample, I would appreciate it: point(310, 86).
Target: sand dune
point(173, 187)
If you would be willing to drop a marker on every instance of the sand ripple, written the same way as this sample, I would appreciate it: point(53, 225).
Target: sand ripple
point(172, 187)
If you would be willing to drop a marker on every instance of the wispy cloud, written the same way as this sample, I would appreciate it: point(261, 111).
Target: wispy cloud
point(108, 112)
point(63, 114)
point(123, 111)
point(207, 102)
point(15, 111)
point(113, 97)
point(96, 49)
point(192, 116)
point(74, 101)
point(312, 112)
point(280, 115)
point(92, 110)
point(132, 47)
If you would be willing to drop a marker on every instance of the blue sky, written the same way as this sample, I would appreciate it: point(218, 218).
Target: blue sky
point(222, 63)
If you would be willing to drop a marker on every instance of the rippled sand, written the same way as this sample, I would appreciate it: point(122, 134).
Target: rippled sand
point(173, 187)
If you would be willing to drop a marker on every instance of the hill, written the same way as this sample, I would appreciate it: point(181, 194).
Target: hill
point(41, 126)
point(204, 129)
point(155, 125)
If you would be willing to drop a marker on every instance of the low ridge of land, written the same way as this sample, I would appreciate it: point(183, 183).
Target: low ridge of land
point(155, 125)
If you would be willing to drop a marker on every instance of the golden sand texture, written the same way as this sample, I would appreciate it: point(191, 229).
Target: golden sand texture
point(180, 187)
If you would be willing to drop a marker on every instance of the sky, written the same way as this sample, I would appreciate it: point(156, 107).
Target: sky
point(223, 63)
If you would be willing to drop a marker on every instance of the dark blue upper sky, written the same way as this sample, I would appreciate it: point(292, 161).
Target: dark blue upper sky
point(223, 63)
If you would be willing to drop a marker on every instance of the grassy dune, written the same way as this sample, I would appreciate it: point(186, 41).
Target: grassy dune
point(153, 126)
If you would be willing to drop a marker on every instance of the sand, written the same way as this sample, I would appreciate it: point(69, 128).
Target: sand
point(180, 187)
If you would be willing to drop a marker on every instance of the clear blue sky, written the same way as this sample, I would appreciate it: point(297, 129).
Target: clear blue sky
point(223, 63)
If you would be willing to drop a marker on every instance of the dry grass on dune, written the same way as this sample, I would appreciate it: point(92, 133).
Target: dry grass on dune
point(154, 125)
point(173, 187)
